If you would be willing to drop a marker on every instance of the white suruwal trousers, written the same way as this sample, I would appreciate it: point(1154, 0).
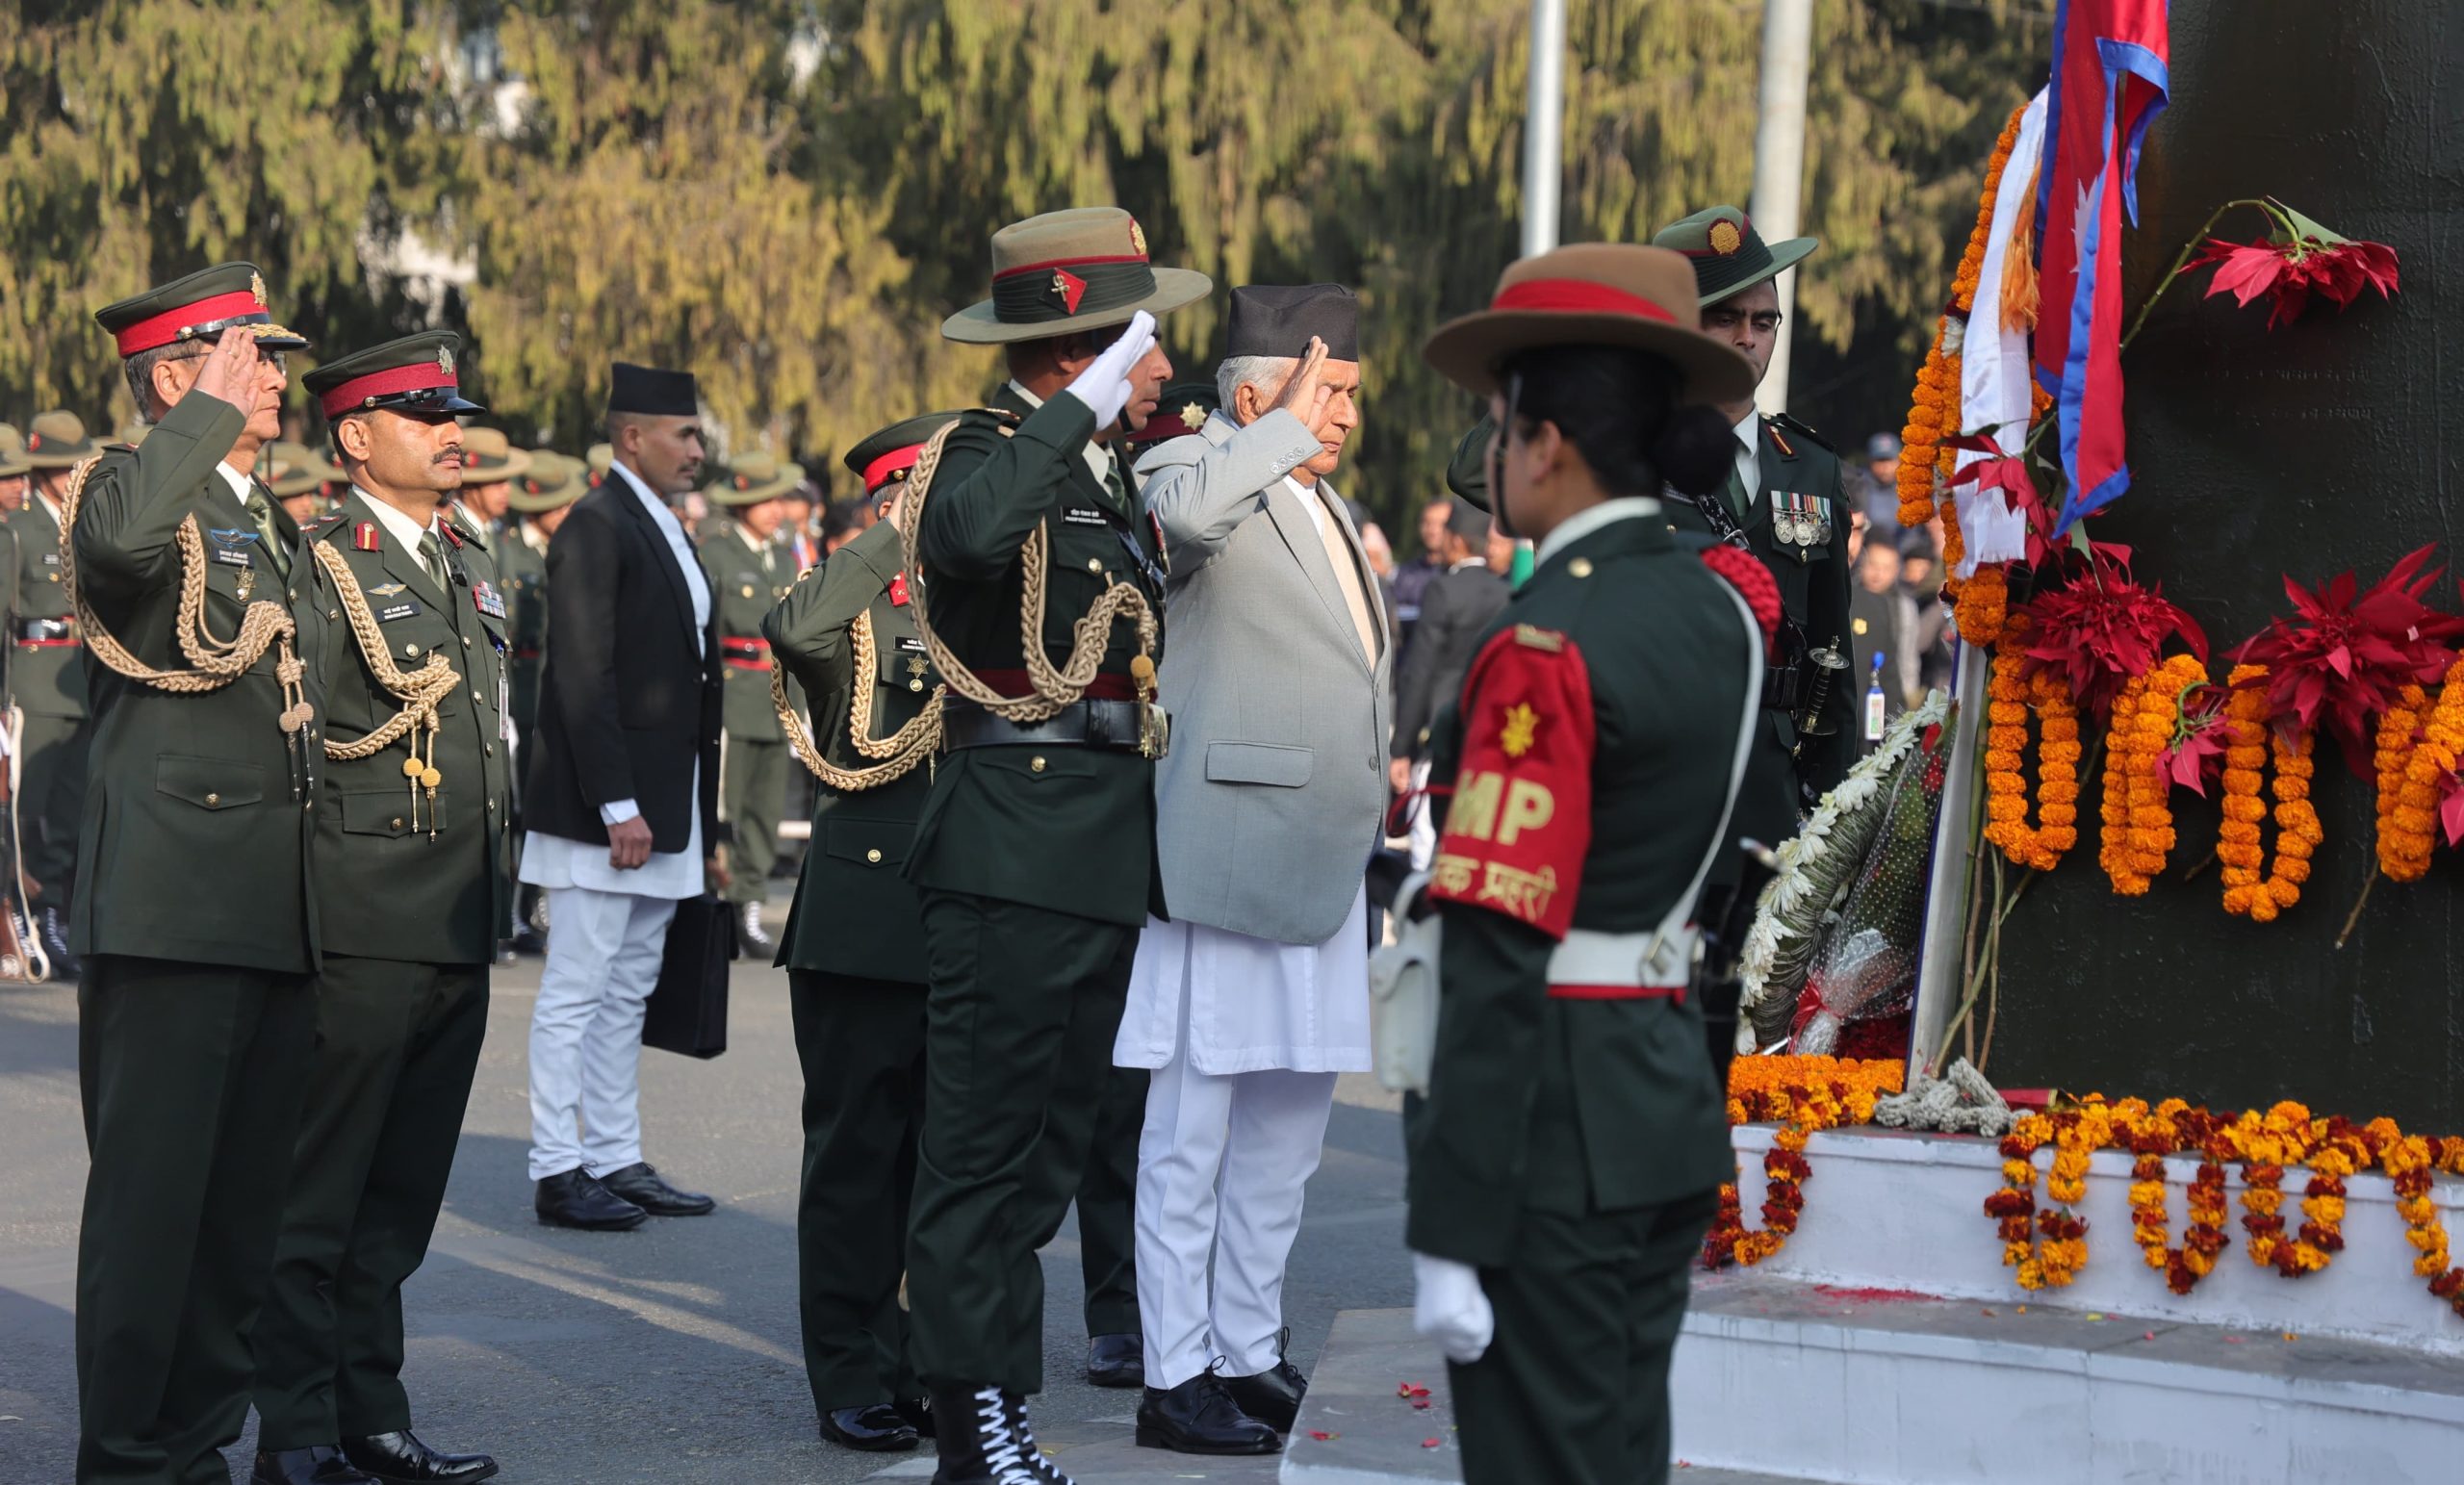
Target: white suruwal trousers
point(1224, 1157)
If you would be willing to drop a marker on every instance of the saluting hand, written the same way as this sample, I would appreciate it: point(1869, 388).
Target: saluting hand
point(1306, 395)
point(230, 370)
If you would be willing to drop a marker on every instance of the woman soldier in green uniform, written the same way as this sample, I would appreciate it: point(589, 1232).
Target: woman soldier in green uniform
point(1564, 1164)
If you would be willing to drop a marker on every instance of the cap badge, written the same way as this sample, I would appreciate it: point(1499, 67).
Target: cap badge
point(445, 359)
point(1069, 288)
point(1726, 238)
point(1137, 237)
point(257, 287)
point(744, 481)
point(34, 440)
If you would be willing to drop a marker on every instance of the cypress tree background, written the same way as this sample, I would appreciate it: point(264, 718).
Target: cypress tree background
point(786, 195)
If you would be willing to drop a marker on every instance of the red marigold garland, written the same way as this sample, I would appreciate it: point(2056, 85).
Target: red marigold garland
point(2171, 1127)
point(1807, 1094)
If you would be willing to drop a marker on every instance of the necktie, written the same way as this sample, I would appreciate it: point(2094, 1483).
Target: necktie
point(261, 515)
point(1330, 531)
point(432, 557)
point(1736, 493)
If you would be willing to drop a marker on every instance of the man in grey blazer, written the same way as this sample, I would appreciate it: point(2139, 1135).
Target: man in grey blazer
point(1256, 996)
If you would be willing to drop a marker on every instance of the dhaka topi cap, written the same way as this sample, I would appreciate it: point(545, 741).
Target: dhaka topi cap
point(56, 440)
point(199, 307)
point(1082, 269)
point(415, 375)
point(652, 391)
point(1277, 320)
point(1729, 256)
point(1180, 410)
point(489, 456)
point(552, 481)
point(884, 458)
point(12, 451)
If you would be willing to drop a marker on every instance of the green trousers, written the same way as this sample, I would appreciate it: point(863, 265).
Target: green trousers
point(861, 1043)
point(190, 1076)
point(1018, 1039)
point(1573, 1389)
point(1108, 1205)
point(51, 805)
point(396, 1046)
point(752, 794)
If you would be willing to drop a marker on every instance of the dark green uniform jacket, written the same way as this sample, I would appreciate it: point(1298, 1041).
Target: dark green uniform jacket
point(522, 574)
point(747, 580)
point(47, 681)
point(198, 809)
point(1067, 829)
point(1570, 1107)
point(855, 913)
point(398, 876)
point(1781, 777)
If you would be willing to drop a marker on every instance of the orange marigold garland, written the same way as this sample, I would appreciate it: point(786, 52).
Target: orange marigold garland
point(1806, 1096)
point(2011, 696)
point(2171, 1127)
point(2138, 815)
point(2051, 1255)
point(2248, 891)
point(2409, 1160)
point(2429, 777)
point(2406, 831)
point(2267, 1142)
point(2113, 804)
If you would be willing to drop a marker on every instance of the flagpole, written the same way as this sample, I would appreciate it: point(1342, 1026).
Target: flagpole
point(1544, 123)
point(1780, 162)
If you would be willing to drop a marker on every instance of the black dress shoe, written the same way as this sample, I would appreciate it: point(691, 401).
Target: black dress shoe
point(919, 1413)
point(1117, 1360)
point(1199, 1416)
point(1272, 1397)
point(319, 1464)
point(641, 1184)
point(574, 1200)
point(401, 1459)
point(876, 1428)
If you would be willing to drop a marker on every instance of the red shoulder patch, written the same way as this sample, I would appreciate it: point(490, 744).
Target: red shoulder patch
point(1520, 824)
point(898, 590)
point(1753, 580)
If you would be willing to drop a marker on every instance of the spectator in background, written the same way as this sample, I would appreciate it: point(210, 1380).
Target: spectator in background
point(1929, 647)
point(1881, 625)
point(1381, 566)
point(1455, 612)
point(795, 528)
point(841, 523)
point(1857, 526)
point(1875, 488)
point(1412, 582)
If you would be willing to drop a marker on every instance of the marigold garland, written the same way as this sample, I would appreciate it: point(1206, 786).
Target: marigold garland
point(1806, 1096)
point(2430, 769)
point(2011, 696)
point(2137, 813)
point(2247, 892)
point(2405, 834)
point(2408, 1160)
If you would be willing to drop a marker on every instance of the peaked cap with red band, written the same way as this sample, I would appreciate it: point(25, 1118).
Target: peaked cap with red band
point(1729, 256)
point(1077, 269)
point(1519, 827)
point(1593, 293)
point(199, 307)
point(884, 458)
point(414, 374)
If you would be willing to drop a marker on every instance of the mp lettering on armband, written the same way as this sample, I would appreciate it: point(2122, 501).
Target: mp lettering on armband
point(1520, 824)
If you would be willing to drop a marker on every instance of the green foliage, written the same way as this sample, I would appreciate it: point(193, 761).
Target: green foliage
point(788, 194)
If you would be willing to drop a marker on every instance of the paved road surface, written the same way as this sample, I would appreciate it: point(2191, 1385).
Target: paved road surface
point(668, 1355)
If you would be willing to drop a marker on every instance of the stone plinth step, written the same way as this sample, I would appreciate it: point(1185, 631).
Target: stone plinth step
point(1373, 1437)
point(1876, 1387)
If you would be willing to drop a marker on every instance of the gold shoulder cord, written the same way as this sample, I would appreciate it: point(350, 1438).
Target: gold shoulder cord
point(418, 691)
point(900, 752)
point(1052, 688)
point(215, 662)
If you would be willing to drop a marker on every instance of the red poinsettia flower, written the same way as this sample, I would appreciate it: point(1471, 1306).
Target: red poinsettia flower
point(2103, 627)
point(2299, 259)
point(2342, 656)
point(2196, 753)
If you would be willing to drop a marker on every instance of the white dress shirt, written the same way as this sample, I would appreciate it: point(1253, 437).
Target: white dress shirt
point(407, 532)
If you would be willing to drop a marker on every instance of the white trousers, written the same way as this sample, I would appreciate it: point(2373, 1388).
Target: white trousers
point(603, 953)
point(1221, 1163)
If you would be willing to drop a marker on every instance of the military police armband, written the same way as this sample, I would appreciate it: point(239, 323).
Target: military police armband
point(1520, 824)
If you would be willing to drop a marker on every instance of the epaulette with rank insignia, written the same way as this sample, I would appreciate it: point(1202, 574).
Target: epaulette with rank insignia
point(322, 525)
point(1775, 422)
point(1533, 637)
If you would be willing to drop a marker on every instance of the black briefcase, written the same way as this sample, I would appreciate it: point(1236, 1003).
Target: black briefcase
point(687, 1012)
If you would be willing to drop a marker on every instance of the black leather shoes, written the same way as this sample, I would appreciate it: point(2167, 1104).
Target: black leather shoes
point(1117, 1360)
point(401, 1459)
point(641, 1184)
point(919, 1413)
point(320, 1464)
point(574, 1200)
point(876, 1428)
point(1199, 1416)
point(1272, 1397)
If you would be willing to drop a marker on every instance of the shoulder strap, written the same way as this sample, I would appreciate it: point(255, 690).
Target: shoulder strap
point(1682, 912)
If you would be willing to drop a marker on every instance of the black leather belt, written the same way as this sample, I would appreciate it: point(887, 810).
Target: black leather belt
point(1081, 724)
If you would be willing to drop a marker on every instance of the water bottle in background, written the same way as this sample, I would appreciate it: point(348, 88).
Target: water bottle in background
point(1874, 700)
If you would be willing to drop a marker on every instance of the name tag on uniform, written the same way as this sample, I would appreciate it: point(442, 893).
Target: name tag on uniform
point(229, 556)
point(489, 602)
point(1078, 514)
point(397, 611)
point(909, 644)
point(52, 559)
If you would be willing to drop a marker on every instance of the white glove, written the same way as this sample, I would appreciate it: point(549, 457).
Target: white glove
point(1449, 1307)
point(1104, 386)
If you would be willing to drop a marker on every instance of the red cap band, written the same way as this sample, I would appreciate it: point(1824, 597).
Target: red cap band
point(426, 377)
point(1577, 296)
point(878, 472)
point(164, 328)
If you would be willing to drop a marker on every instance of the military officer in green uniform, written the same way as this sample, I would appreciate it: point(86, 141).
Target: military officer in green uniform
point(1036, 850)
point(47, 685)
point(413, 878)
point(492, 464)
point(193, 912)
point(1564, 1162)
point(853, 953)
point(1786, 501)
point(750, 571)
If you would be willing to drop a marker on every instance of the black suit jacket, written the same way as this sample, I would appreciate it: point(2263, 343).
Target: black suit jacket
point(1455, 610)
point(627, 705)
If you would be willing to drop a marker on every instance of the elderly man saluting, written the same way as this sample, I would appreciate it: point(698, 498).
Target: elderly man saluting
point(1255, 995)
